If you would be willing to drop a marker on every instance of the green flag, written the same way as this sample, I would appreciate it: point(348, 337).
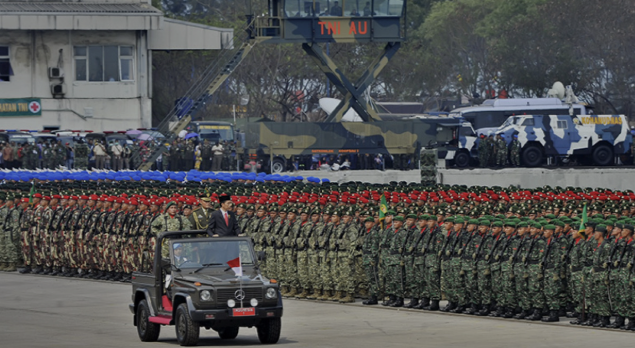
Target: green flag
point(584, 219)
point(32, 193)
point(383, 209)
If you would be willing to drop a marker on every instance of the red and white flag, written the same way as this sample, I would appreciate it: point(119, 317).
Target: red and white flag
point(236, 266)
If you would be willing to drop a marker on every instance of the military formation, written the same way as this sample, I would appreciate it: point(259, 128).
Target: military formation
point(505, 252)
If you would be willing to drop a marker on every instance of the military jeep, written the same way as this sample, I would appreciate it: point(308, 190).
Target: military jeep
point(191, 285)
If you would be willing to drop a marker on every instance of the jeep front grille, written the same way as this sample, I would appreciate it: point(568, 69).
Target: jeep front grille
point(222, 295)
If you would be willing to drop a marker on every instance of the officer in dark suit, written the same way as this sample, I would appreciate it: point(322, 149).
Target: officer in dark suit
point(223, 222)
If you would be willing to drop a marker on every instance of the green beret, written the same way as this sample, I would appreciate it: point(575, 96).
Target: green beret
point(450, 219)
point(497, 224)
point(369, 219)
point(523, 224)
point(411, 216)
point(510, 223)
point(558, 223)
point(459, 220)
point(484, 222)
point(432, 217)
point(628, 227)
point(600, 228)
point(391, 212)
point(399, 218)
point(171, 203)
point(473, 222)
point(550, 227)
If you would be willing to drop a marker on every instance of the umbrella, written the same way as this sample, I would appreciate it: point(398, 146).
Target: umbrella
point(134, 132)
point(144, 137)
point(154, 134)
point(191, 135)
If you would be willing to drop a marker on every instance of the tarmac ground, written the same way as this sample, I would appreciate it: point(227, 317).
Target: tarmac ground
point(44, 311)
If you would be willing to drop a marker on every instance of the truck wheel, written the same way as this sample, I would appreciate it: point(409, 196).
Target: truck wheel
point(277, 166)
point(532, 156)
point(148, 332)
point(603, 155)
point(228, 333)
point(462, 159)
point(269, 330)
point(187, 331)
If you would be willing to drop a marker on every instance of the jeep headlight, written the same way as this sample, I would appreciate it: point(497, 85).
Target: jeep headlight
point(231, 303)
point(205, 295)
point(271, 294)
point(253, 302)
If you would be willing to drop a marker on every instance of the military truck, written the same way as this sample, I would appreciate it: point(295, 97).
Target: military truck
point(587, 139)
point(191, 286)
point(275, 143)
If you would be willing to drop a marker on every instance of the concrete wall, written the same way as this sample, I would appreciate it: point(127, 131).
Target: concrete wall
point(115, 105)
point(614, 178)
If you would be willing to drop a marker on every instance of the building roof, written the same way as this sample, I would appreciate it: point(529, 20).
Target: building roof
point(76, 8)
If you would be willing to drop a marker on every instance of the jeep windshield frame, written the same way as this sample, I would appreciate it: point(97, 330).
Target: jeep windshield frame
point(189, 254)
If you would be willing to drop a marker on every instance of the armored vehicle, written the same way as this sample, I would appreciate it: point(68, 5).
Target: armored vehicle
point(205, 282)
point(596, 139)
point(274, 143)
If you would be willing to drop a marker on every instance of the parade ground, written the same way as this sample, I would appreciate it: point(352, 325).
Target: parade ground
point(42, 311)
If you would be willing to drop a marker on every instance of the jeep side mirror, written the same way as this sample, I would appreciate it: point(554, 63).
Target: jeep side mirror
point(262, 256)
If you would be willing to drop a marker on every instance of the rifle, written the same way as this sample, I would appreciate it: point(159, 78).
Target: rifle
point(445, 244)
point(531, 247)
point(430, 238)
point(502, 250)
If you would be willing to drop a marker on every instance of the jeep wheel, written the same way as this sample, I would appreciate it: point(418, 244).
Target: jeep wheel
point(269, 330)
point(532, 156)
point(228, 333)
point(148, 332)
point(603, 155)
point(187, 331)
point(462, 159)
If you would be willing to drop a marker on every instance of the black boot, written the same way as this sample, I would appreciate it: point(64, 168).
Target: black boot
point(371, 301)
point(577, 321)
point(450, 306)
point(509, 313)
point(619, 322)
point(413, 302)
point(603, 322)
point(458, 309)
point(552, 317)
point(592, 319)
point(484, 311)
point(390, 300)
point(536, 315)
point(521, 315)
point(47, 271)
point(38, 270)
point(434, 306)
point(631, 324)
point(397, 303)
point(423, 303)
point(498, 312)
point(55, 271)
point(562, 312)
point(470, 310)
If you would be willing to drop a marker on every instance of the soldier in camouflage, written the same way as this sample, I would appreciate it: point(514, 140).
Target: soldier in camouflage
point(514, 151)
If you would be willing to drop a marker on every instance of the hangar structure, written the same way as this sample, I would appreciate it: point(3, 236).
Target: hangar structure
point(87, 64)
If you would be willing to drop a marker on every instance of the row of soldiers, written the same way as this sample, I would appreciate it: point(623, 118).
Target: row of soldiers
point(328, 242)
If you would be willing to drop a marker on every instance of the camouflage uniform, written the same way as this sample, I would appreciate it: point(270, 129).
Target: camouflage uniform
point(313, 255)
point(483, 152)
point(577, 260)
point(370, 251)
point(346, 234)
point(81, 156)
point(395, 263)
point(428, 167)
point(25, 236)
point(302, 264)
point(501, 152)
point(165, 222)
point(514, 152)
point(599, 278)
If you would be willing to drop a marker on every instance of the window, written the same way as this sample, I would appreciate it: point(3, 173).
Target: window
point(103, 63)
point(528, 122)
point(5, 66)
point(561, 124)
point(388, 7)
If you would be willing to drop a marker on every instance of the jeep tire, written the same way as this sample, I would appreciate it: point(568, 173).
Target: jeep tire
point(228, 333)
point(269, 330)
point(148, 332)
point(187, 331)
point(602, 155)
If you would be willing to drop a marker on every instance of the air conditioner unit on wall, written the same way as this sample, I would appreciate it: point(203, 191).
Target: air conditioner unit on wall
point(58, 89)
point(55, 73)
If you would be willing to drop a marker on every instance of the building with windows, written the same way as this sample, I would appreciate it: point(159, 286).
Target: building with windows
point(87, 65)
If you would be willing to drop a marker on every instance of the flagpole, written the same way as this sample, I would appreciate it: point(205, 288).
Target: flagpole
point(240, 280)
